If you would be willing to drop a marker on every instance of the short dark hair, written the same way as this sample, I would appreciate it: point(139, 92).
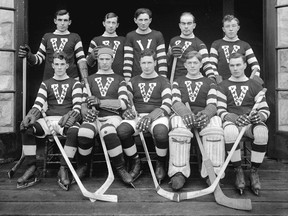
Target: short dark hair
point(237, 55)
point(148, 52)
point(229, 18)
point(60, 55)
point(61, 13)
point(111, 15)
point(192, 54)
point(140, 11)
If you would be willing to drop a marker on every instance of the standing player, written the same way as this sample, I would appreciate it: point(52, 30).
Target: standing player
point(201, 95)
point(111, 39)
point(63, 96)
point(187, 41)
point(143, 38)
point(221, 50)
point(152, 99)
point(236, 98)
point(60, 40)
point(109, 97)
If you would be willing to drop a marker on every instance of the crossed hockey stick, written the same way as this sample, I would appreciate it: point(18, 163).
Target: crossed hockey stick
point(85, 192)
point(212, 187)
point(110, 177)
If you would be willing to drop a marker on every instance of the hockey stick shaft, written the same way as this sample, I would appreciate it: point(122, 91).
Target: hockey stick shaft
point(110, 177)
point(77, 179)
point(173, 71)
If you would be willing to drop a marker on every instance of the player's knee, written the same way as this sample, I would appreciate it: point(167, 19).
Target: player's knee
point(160, 133)
point(108, 129)
point(86, 132)
point(72, 133)
point(260, 134)
point(125, 130)
point(230, 133)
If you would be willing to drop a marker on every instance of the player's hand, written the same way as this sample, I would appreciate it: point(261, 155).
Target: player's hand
point(243, 120)
point(201, 120)
point(213, 78)
point(91, 115)
point(255, 117)
point(24, 51)
point(93, 101)
point(28, 121)
point(129, 114)
point(144, 123)
point(176, 51)
point(188, 120)
point(219, 79)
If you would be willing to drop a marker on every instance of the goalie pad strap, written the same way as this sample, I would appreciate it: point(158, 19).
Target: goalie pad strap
point(179, 151)
point(156, 113)
point(180, 109)
point(114, 104)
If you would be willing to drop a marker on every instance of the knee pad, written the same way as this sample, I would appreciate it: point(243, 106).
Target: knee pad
point(260, 133)
point(179, 150)
point(125, 130)
point(107, 129)
point(230, 132)
point(160, 133)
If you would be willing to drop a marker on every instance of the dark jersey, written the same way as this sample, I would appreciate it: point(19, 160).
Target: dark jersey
point(135, 44)
point(240, 97)
point(151, 93)
point(221, 50)
point(69, 43)
point(115, 43)
point(61, 96)
point(191, 44)
point(197, 92)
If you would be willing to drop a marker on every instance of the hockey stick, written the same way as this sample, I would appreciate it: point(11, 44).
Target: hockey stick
point(110, 177)
point(220, 197)
point(166, 194)
point(211, 188)
point(173, 71)
point(108, 198)
point(11, 172)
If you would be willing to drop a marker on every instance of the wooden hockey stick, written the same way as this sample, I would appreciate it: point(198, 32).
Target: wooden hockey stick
point(211, 188)
point(173, 71)
point(110, 177)
point(12, 171)
point(166, 194)
point(220, 197)
point(85, 192)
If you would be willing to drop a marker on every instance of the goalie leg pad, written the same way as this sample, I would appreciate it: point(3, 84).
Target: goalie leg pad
point(179, 150)
point(176, 122)
point(213, 143)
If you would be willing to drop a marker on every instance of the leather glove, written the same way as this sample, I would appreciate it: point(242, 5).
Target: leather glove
point(188, 120)
point(63, 120)
point(69, 119)
point(24, 51)
point(176, 51)
point(129, 114)
point(256, 117)
point(219, 79)
point(30, 118)
point(201, 120)
point(242, 120)
point(144, 123)
point(91, 115)
point(93, 101)
point(213, 78)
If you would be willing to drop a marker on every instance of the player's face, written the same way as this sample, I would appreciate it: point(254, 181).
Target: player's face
point(237, 67)
point(60, 66)
point(111, 24)
point(143, 21)
point(105, 62)
point(187, 25)
point(231, 28)
point(147, 64)
point(62, 22)
point(193, 66)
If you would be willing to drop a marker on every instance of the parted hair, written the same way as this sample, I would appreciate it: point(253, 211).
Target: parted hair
point(111, 15)
point(61, 13)
point(192, 54)
point(237, 55)
point(60, 55)
point(140, 11)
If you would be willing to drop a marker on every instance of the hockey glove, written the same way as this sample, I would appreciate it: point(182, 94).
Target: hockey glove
point(189, 120)
point(25, 51)
point(93, 101)
point(243, 120)
point(91, 115)
point(176, 51)
point(129, 114)
point(201, 120)
point(30, 119)
point(219, 79)
point(69, 119)
point(256, 117)
point(144, 123)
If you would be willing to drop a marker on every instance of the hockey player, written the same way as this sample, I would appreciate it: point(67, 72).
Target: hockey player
point(143, 38)
point(60, 40)
point(111, 39)
point(236, 98)
point(109, 97)
point(185, 42)
point(221, 50)
point(152, 99)
point(63, 96)
point(201, 95)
